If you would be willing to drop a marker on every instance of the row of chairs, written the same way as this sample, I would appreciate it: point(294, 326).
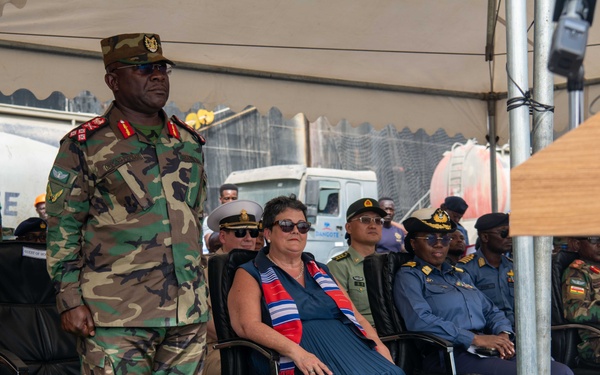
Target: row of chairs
point(31, 341)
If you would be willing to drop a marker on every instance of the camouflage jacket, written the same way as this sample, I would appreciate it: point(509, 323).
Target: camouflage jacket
point(124, 234)
point(581, 303)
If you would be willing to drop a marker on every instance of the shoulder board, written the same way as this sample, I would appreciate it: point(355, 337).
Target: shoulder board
point(577, 264)
point(467, 259)
point(191, 130)
point(460, 270)
point(343, 255)
point(85, 130)
point(426, 270)
point(409, 264)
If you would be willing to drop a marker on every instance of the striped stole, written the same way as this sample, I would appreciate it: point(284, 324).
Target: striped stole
point(284, 312)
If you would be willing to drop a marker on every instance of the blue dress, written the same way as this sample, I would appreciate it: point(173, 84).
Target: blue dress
point(326, 332)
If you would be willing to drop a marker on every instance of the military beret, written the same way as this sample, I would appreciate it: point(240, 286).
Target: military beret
point(364, 205)
point(33, 224)
point(137, 48)
point(490, 221)
point(234, 215)
point(456, 204)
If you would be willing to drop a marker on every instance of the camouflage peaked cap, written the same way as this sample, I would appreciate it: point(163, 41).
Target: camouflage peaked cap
point(133, 49)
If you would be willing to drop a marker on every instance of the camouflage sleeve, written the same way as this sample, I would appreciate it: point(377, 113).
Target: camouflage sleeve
point(580, 303)
point(67, 205)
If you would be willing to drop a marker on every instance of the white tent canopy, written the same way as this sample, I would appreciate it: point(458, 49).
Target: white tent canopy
point(415, 64)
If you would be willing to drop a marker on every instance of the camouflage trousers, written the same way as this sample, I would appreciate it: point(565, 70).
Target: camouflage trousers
point(589, 348)
point(144, 351)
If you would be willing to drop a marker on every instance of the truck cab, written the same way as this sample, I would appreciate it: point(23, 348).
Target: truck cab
point(327, 194)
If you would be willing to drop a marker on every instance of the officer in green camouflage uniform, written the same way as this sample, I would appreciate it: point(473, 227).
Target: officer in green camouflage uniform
point(581, 294)
point(124, 199)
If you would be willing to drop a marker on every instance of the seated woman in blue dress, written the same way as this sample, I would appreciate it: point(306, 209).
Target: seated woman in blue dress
point(286, 301)
point(435, 297)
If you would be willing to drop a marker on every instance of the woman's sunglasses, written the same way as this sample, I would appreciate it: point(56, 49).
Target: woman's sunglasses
point(287, 226)
point(432, 239)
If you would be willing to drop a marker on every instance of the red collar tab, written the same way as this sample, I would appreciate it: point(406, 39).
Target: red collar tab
point(126, 128)
point(173, 131)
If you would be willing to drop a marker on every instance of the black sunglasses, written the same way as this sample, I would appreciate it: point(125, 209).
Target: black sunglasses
point(241, 232)
point(287, 226)
point(147, 69)
point(432, 239)
point(503, 233)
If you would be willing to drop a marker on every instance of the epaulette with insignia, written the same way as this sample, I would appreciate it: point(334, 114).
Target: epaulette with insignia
point(426, 270)
point(467, 259)
point(460, 270)
point(343, 255)
point(577, 264)
point(409, 264)
point(85, 130)
point(187, 127)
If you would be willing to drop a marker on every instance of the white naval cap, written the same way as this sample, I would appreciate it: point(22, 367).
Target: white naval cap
point(236, 214)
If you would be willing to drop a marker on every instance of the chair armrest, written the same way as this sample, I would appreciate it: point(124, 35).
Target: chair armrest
point(440, 343)
point(562, 327)
point(15, 363)
point(270, 354)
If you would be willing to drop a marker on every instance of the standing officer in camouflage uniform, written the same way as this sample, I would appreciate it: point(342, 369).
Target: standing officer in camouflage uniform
point(581, 294)
point(124, 199)
point(364, 222)
point(491, 271)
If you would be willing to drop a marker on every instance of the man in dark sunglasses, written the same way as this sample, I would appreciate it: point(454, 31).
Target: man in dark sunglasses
point(237, 223)
point(489, 267)
point(124, 200)
point(364, 222)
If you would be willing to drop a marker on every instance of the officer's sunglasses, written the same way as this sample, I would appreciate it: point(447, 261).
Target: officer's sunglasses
point(147, 69)
point(368, 220)
point(503, 233)
point(287, 226)
point(241, 232)
point(593, 240)
point(432, 239)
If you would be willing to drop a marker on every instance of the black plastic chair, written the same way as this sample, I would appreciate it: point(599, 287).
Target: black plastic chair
point(235, 351)
point(408, 349)
point(31, 339)
point(565, 335)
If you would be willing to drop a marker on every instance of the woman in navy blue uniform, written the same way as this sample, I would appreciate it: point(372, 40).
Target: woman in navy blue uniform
point(436, 297)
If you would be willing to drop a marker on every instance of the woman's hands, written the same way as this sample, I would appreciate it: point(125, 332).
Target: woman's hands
point(499, 342)
point(308, 363)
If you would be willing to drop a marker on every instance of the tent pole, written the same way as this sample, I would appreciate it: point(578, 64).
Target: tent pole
point(492, 141)
point(543, 135)
point(516, 40)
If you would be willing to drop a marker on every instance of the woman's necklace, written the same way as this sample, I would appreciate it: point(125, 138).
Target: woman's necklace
point(301, 267)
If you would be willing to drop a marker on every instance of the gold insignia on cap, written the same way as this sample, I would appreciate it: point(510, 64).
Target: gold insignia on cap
point(368, 203)
point(42, 226)
point(244, 216)
point(440, 216)
point(151, 43)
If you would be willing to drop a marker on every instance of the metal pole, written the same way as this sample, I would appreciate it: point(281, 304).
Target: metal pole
point(492, 141)
point(543, 135)
point(575, 89)
point(516, 40)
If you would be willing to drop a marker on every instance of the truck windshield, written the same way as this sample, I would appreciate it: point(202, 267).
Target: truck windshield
point(263, 191)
